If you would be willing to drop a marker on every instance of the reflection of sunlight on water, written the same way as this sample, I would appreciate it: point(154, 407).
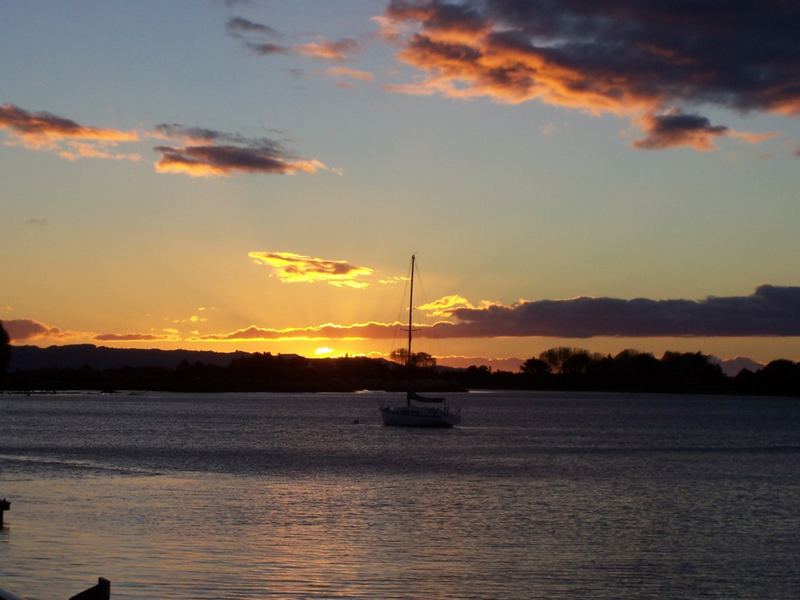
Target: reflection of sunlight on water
point(259, 496)
point(166, 535)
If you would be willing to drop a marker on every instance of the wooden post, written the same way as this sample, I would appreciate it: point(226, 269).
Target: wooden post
point(4, 506)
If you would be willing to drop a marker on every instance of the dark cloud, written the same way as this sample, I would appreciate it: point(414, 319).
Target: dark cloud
point(67, 138)
point(224, 160)
point(370, 330)
point(258, 38)
point(253, 35)
point(679, 129)
point(439, 16)
point(176, 131)
point(266, 48)
point(210, 153)
point(630, 57)
point(127, 337)
point(26, 329)
point(36, 222)
point(237, 27)
point(770, 311)
point(44, 125)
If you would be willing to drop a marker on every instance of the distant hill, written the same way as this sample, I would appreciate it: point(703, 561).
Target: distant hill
point(76, 356)
point(732, 366)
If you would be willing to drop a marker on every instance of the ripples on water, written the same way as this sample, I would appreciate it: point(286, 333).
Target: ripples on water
point(536, 496)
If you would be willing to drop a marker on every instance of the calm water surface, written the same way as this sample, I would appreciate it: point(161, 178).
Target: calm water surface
point(537, 495)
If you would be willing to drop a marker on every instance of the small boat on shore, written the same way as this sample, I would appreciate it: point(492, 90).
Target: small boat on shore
point(418, 411)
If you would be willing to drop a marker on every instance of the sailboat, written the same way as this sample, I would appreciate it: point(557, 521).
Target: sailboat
point(418, 411)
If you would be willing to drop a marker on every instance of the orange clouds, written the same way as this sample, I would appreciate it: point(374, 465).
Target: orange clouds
point(445, 306)
point(20, 330)
point(259, 38)
point(163, 335)
point(328, 49)
point(634, 59)
point(679, 129)
point(30, 330)
point(195, 151)
point(357, 331)
point(768, 311)
point(130, 337)
point(348, 73)
point(209, 153)
point(222, 161)
point(36, 126)
point(294, 268)
point(463, 57)
point(67, 138)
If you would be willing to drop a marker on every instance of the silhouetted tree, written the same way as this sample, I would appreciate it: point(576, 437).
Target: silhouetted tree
point(535, 367)
point(634, 370)
point(418, 359)
point(555, 357)
point(779, 377)
point(5, 350)
point(690, 371)
point(478, 376)
point(564, 360)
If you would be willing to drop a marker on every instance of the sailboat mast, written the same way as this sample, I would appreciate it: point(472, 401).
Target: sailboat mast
point(410, 312)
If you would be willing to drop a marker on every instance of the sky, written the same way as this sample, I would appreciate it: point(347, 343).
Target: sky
point(255, 175)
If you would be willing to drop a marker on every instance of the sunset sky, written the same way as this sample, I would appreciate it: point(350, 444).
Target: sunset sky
point(255, 175)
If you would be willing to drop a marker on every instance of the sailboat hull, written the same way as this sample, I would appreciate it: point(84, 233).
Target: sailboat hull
point(412, 416)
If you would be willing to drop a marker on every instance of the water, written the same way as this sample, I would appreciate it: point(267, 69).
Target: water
point(537, 495)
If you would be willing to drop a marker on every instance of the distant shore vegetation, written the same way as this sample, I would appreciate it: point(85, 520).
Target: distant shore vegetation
point(561, 368)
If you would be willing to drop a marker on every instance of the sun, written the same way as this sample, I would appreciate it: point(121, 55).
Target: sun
point(323, 350)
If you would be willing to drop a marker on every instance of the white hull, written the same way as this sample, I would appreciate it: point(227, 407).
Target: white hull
point(414, 416)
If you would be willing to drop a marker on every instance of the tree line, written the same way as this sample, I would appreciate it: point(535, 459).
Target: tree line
point(561, 368)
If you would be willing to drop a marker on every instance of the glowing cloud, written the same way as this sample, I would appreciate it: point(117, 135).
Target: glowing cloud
point(348, 73)
point(327, 331)
point(209, 153)
point(295, 268)
point(444, 307)
point(328, 49)
point(679, 129)
point(624, 58)
point(45, 125)
point(27, 329)
point(65, 137)
point(392, 279)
